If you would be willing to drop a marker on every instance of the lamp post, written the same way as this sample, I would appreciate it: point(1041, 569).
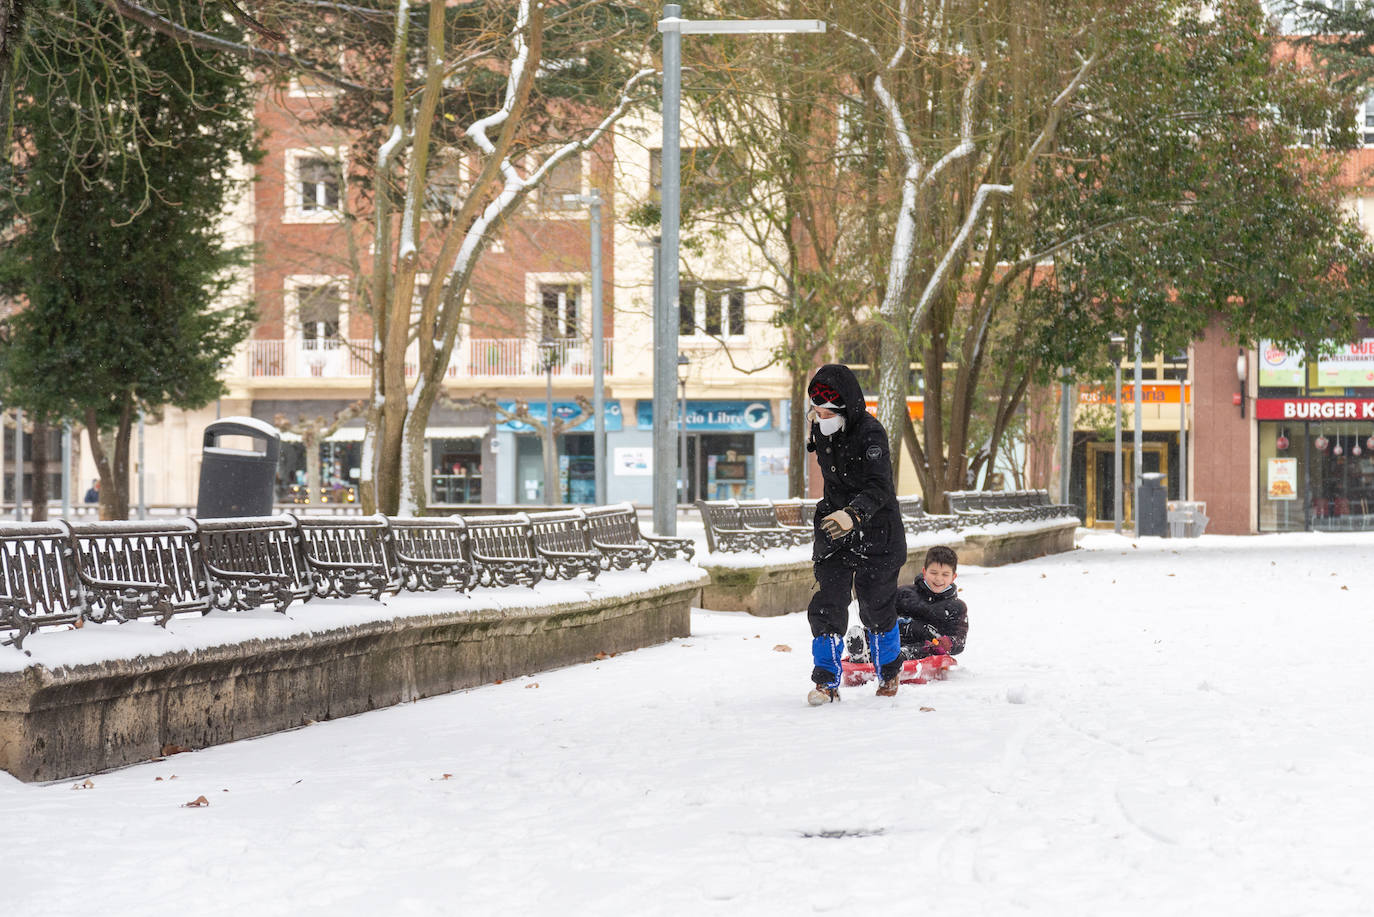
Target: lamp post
point(593, 202)
point(1241, 367)
point(682, 364)
point(1118, 349)
point(547, 350)
point(1138, 458)
point(673, 28)
point(19, 464)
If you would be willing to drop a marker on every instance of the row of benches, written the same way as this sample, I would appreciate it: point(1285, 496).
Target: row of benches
point(753, 525)
point(982, 506)
point(64, 573)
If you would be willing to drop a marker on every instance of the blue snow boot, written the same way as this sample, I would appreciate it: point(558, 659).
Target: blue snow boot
point(885, 650)
point(825, 652)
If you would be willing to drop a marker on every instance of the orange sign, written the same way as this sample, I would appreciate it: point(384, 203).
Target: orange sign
point(915, 407)
point(1150, 393)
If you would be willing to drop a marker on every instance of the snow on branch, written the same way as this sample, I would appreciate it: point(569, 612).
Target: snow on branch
point(937, 278)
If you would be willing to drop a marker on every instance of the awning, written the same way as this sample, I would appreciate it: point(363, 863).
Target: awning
point(355, 434)
point(455, 432)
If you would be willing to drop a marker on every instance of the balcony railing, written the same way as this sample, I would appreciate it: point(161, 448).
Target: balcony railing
point(486, 358)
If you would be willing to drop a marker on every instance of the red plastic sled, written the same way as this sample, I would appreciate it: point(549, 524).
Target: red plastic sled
point(914, 671)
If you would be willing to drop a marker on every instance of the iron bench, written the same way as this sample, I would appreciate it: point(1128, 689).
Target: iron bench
point(348, 554)
point(725, 530)
point(254, 561)
point(143, 568)
point(432, 553)
point(616, 534)
point(564, 540)
point(39, 584)
point(762, 517)
point(503, 550)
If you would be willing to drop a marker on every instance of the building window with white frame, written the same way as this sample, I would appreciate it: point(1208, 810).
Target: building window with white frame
point(711, 309)
point(562, 180)
point(318, 310)
point(314, 185)
point(558, 318)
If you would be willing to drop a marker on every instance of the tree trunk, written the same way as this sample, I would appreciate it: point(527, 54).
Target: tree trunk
point(796, 446)
point(39, 488)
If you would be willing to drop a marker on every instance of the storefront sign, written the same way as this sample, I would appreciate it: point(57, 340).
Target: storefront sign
point(1351, 366)
point(1314, 409)
point(915, 407)
point(563, 410)
point(1150, 393)
point(1283, 479)
point(739, 416)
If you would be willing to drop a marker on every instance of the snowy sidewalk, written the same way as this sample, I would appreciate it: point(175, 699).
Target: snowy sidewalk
point(1179, 727)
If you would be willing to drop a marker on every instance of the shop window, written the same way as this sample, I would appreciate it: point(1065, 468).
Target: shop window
point(456, 470)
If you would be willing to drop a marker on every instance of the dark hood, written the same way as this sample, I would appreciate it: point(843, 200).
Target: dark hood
point(842, 379)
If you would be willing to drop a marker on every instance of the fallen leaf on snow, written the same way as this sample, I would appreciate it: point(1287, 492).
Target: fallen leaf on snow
point(927, 709)
point(497, 681)
point(84, 785)
point(1345, 588)
point(602, 656)
point(197, 803)
point(79, 623)
point(173, 749)
point(533, 684)
point(782, 648)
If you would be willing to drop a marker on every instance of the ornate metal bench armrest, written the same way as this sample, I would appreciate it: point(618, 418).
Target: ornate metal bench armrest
point(428, 574)
point(567, 564)
point(669, 546)
point(341, 578)
point(245, 590)
point(508, 571)
point(128, 599)
point(624, 556)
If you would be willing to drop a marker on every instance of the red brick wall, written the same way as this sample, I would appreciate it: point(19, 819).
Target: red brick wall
point(1219, 439)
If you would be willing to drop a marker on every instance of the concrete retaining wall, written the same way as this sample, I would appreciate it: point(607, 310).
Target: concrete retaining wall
point(81, 719)
point(786, 585)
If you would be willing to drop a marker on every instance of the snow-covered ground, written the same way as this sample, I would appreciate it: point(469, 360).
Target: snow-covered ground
point(1177, 727)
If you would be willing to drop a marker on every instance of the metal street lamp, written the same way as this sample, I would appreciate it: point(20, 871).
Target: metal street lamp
point(1118, 349)
point(593, 202)
point(547, 351)
point(682, 365)
point(1138, 459)
point(673, 28)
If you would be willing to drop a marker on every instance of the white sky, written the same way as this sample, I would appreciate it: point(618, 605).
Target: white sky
point(1178, 727)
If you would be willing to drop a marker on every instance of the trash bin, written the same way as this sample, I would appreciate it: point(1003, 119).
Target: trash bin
point(1150, 514)
point(238, 482)
point(1187, 518)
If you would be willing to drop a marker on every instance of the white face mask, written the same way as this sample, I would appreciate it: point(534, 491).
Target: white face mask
point(831, 425)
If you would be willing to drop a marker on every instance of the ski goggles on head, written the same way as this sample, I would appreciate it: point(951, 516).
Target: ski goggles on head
point(825, 396)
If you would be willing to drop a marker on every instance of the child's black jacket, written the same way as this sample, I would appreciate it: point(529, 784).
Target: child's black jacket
point(922, 615)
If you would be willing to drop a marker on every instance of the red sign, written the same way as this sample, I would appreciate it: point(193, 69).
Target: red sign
point(1314, 409)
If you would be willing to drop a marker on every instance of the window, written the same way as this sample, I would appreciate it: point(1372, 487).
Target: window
point(558, 318)
point(444, 189)
point(701, 180)
point(314, 183)
point(1367, 119)
point(563, 179)
point(711, 308)
point(318, 309)
point(319, 184)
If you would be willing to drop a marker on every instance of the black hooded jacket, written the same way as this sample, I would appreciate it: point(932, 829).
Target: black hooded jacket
point(923, 614)
point(857, 469)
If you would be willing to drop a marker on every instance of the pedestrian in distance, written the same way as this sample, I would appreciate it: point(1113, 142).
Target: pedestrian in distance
point(860, 544)
point(93, 494)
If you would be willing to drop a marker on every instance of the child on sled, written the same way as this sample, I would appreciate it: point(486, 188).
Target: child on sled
point(931, 618)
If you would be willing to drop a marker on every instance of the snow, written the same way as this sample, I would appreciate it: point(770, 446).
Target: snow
point(1161, 727)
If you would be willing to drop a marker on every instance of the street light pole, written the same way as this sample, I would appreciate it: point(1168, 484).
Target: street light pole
point(673, 28)
point(682, 364)
point(593, 202)
point(1118, 346)
point(1138, 459)
point(546, 351)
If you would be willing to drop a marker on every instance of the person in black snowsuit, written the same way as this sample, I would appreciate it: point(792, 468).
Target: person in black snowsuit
point(931, 617)
point(860, 544)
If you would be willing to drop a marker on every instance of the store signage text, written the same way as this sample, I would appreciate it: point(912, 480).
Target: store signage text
point(1315, 409)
